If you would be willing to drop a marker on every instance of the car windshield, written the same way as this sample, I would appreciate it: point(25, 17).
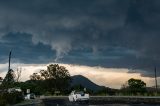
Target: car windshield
point(79, 93)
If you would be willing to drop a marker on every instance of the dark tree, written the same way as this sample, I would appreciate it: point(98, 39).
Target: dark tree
point(55, 78)
point(35, 76)
point(136, 86)
point(9, 79)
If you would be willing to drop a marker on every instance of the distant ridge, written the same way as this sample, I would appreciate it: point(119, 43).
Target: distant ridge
point(81, 80)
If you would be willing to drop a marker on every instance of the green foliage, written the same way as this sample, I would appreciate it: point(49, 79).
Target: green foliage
point(136, 86)
point(3, 102)
point(9, 79)
point(35, 76)
point(55, 78)
point(10, 98)
point(78, 87)
point(106, 91)
point(34, 86)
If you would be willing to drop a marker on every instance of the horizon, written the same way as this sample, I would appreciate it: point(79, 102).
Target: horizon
point(98, 75)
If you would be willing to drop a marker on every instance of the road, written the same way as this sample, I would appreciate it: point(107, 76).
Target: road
point(97, 101)
point(105, 100)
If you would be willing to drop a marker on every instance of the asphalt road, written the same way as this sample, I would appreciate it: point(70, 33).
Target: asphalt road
point(94, 101)
point(104, 101)
point(60, 102)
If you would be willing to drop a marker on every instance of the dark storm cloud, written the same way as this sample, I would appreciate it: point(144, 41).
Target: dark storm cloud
point(108, 33)
point(23, 50)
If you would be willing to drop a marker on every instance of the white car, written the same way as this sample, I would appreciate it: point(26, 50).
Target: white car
point(78, 96)
point(30, 96)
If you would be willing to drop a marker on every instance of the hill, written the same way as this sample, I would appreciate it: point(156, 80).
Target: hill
point(81, 80)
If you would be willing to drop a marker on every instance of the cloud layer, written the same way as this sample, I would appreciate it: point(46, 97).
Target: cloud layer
point(112, 33)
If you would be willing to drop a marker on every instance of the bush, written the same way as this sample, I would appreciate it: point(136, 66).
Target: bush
point(2, 102)
point(10, 98)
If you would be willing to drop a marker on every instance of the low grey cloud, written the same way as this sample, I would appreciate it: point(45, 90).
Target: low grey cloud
point(107, 33)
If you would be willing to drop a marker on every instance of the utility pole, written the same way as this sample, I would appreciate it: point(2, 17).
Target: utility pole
point(9, 59)
point(155, 70)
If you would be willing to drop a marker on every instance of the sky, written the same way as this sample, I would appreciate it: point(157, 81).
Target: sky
point(120, 37)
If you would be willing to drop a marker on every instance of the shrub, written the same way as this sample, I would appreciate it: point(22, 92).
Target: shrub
point(2, 102)
point(10, 98)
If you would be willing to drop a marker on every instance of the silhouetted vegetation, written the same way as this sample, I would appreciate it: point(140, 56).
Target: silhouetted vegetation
point(7, 97)
point(10, 98)
point(106, 91)
point(9, 79)
point(134, 87)
point(55, 79)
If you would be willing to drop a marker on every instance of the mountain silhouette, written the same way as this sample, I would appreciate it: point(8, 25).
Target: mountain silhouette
point(81, 80)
